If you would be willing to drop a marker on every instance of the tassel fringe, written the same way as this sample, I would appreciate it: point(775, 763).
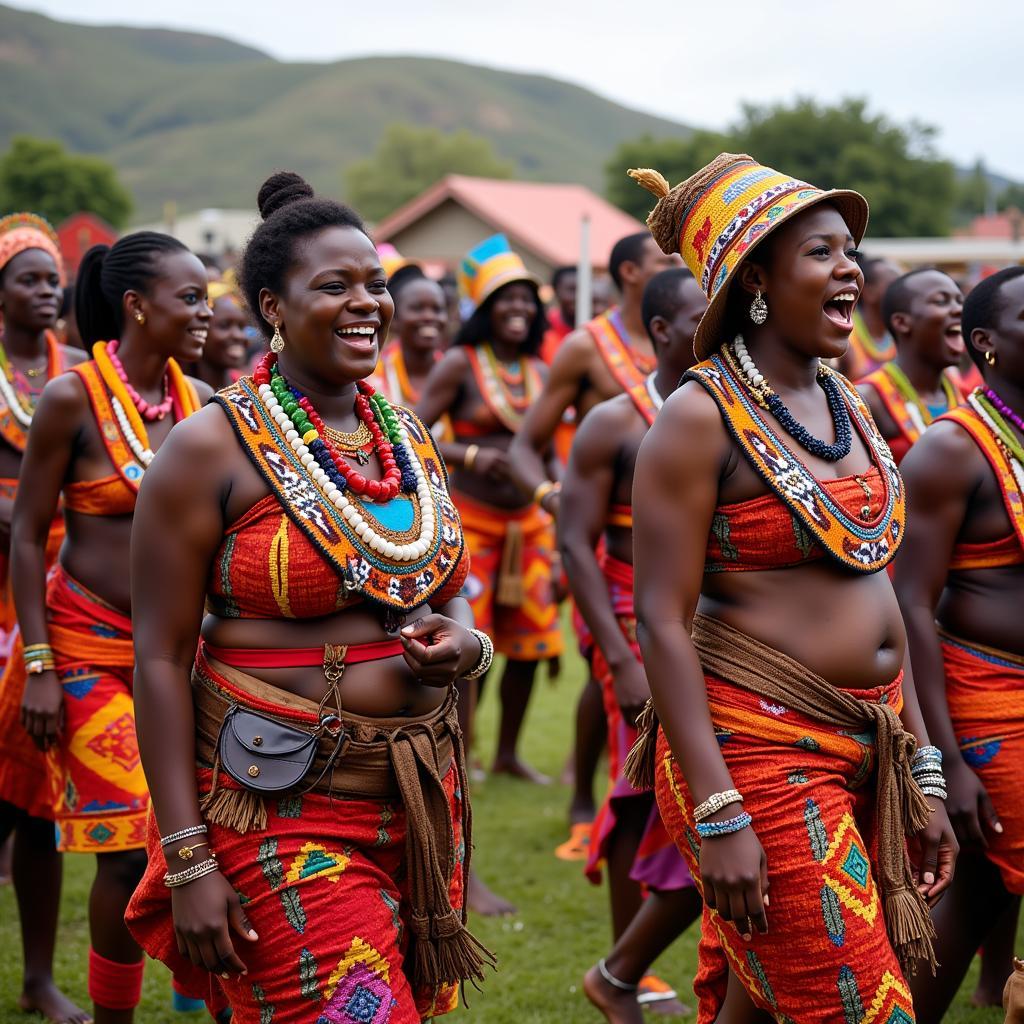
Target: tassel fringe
point(639, 765)
point(654, 181)
point(238, 809)
point(910, 929)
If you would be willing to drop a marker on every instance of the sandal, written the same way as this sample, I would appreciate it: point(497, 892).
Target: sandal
point(577, 846)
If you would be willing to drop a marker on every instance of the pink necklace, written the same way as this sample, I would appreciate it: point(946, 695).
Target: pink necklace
point(150, 413)
point(1012, 416)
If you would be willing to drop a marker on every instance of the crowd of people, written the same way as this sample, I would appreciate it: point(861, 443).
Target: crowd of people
point(779, 482)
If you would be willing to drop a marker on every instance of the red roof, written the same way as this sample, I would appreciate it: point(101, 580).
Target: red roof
point(79, 233)
point(995, 225)
point(543, 219)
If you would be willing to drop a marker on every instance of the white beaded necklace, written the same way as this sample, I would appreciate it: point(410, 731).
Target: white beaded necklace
point(1015, 466)
point(336, 496)
point(18, 411)
point(141, 451)
point(653, 391)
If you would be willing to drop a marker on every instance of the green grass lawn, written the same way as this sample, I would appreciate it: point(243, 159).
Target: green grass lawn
point(561, 928)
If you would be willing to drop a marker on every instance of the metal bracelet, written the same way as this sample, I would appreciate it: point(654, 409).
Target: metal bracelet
point(486, 655)
point(928, 753)
point(710, 829)
point(716, 802)
point(206, 867)
point(936, 791)
point(183, 833)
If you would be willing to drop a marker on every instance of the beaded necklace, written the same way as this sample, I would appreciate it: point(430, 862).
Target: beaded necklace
point(768, 399)
point(1013, 417)
point(982, 403)
point(506, 406)
point(150, 413)
point(339, 483)
point(917, 408)
point(21, 402)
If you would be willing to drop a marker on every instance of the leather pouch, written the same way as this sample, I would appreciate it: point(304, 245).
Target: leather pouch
point(262, 754)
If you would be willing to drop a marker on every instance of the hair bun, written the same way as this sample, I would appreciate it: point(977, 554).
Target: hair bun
point(280, 189)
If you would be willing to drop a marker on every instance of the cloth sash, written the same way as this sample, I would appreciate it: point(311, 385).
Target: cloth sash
point(384, 759)
point(627, 366)
point(900, 809)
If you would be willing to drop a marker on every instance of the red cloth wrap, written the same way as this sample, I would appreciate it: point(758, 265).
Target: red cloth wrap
point(113, 985)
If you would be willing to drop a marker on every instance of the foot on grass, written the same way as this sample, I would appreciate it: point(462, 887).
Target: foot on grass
point(45, 998)
point(617, 1006)
point(483, 901)
point(518, 769)
point(984, 997)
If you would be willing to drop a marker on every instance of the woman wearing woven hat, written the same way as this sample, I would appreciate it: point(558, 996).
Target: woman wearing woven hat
point(31, 283)
point(485, 382)
point(960, 580)
point(765, 503)
point(141, 305)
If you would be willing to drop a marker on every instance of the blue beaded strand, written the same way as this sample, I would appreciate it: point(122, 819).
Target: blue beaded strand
point(843, 443)
point(710, 829)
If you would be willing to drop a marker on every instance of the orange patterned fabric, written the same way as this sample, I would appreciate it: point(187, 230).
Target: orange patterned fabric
point(520, 545)
point(763, 533)
point(865, 355)
point(10, 429)
point(108, 496)
point(993, 554)
point(808, 787)
point(103, 798)
point(985, 694)
point(624, 363)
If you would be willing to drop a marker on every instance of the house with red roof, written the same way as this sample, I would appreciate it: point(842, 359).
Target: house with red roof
point(541, 221)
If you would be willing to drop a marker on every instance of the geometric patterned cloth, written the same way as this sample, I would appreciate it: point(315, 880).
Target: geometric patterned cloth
point(810, 791)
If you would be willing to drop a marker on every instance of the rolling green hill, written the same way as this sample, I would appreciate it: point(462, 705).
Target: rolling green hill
point(201, 120)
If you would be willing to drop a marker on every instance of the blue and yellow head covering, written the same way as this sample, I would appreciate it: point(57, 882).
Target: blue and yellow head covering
point(716, 218)
point(489, 266)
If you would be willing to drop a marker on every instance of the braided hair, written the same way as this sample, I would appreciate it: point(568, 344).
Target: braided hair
point(106, 272)
point(291, 211)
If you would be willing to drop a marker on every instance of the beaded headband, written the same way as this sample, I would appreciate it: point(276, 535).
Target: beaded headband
point(716, 218)
point(22, 231)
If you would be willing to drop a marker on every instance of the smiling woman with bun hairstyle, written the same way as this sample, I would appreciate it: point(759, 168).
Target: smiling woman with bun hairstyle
point(311, 828)
point(765, 505)
point(141, 307)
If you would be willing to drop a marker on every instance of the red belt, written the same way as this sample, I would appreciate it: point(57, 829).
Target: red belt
point(300, 657)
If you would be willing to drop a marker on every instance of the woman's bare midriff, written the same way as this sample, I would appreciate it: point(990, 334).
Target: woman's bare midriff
point(983, 606)
point(96, 552)
point(502, 494)
point(843, 626)
point(374, 689)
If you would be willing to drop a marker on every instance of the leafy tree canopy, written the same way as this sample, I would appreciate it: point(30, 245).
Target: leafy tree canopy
point(40, 176)
point(410, 159)
point(911, 190)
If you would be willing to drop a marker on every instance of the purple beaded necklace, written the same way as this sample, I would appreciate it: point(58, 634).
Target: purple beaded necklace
point(1005, 410)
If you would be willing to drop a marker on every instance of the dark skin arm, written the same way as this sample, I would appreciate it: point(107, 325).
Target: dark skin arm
point(562, 389)
point(52, 445)
point(943, 471)
point(587, 492)
point(442, 392)
point(675, 490)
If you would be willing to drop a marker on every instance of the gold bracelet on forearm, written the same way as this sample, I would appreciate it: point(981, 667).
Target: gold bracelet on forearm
point(543, 489)
point(469, 457)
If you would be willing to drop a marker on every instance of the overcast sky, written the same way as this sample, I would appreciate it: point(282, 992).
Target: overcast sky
point(958, 66)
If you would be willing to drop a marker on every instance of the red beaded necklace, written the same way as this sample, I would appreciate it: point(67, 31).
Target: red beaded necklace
point(150, 413)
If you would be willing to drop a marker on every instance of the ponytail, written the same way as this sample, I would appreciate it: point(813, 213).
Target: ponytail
point(107, 272)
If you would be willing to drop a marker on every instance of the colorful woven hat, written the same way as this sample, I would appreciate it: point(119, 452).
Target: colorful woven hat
point(391, 259)
point(490, 266)
point(22, 231)
point(718, 216)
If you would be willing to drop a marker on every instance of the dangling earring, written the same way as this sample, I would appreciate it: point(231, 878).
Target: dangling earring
point(990, 357)
point(277, 341)
point(140, 316)
point(758, 309)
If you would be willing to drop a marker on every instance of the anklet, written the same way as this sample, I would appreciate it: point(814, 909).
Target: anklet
point(622, 986)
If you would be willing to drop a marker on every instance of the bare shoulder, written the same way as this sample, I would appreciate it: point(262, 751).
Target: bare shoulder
point(605, 428)
point(71, 356)
point(203, 440)
point(691, 414)
point(945, 455)
point(576, 350)
point(64, 394)
point(203, 390)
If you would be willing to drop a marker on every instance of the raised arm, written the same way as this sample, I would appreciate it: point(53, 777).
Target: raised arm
point(675, 490)
point(587, 490)
point(52, 442)
point(532, 442)
point(441, 392)
point(178, 524)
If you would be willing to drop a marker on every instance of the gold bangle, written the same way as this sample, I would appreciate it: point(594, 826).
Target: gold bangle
point(543, 489)
point(470, 457)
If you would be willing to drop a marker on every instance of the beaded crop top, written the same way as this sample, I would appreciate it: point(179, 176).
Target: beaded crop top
point(294, 555)
point(860, 534)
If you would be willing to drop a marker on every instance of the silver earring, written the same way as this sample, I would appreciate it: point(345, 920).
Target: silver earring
point(277, 341)
point(758, 309)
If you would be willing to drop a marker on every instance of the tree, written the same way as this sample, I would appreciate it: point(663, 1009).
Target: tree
point(911, 190)
point(973, 193)
point(1011, 197)
point(410, 159)
point(40, 176)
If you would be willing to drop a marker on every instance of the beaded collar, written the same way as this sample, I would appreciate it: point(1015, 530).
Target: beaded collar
point(977, 420)
point(16, 405)
point(903, 403)
point(862, 545)
point(624, 363)
point(392, 582)
point(506, 406)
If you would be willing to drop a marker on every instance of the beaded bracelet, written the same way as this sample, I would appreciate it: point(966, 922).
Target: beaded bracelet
point(928, 753)
point(486, 655)
point(936, 791)
point(710, 829)
point(716, 802)
point(206, 867)
point(183, 833)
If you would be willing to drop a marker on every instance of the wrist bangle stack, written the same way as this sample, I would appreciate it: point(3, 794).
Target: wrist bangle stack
point(190, 874)
point(710, 829)
point(472, 451)
point(486, 655)
point(183, 833)
point(926, 771)
point(38, 659)
point(715, 803)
